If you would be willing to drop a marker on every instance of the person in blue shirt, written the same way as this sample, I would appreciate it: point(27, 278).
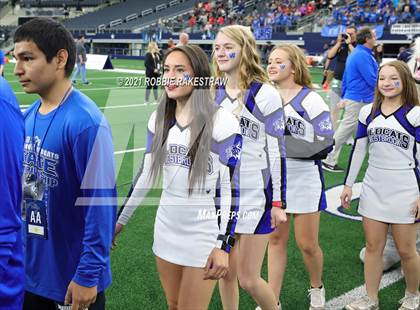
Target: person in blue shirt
point(357, 90)
point(68, 178)
point(12, 273)
point(1, 63)
point(417, 15)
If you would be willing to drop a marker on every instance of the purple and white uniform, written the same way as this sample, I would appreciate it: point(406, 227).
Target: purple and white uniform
point(391, 183)
point(309, 138)
point(188, 226)
point(263, 169)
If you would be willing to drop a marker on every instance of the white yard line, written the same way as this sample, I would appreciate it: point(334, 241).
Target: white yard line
point(24, 106)
point(130, 151)
point(82, 90)
point(90, 79)
point(340, 302)
point(120, 70)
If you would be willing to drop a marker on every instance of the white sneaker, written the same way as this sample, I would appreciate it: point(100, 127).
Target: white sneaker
point(410, 302)
point(317, 296)
point(278, 304)
point(365, 303)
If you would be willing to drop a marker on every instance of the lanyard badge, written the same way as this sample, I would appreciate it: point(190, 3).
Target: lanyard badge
point(34, 206)
point(36, 218)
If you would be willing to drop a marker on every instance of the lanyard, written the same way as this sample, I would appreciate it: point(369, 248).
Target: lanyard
point(48, 128)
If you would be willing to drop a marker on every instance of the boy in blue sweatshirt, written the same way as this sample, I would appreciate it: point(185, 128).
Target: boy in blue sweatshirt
point(357, 89)
point(69, 181)
point(12, 273)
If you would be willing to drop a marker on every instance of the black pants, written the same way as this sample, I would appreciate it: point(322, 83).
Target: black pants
point(150, 86)
point(36, 302)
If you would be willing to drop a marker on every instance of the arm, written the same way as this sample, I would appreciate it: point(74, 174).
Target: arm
point(229, 157)
point(368, 69)
point(93, 157)
point(358, 154)
point(333, 51)
point(274, 128)
point(11, 160)
point(142, 183)
point(323, 141)
point(344, 85)
point(418, 142)
point(138, 191)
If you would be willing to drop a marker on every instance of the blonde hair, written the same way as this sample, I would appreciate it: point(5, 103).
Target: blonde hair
point(409, 96)
point(153, 48)
point(249, 66)
point(302, 76)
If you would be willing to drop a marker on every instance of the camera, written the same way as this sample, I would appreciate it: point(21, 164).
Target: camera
point(345, 36)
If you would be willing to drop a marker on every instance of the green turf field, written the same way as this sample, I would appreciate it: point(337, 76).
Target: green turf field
point(136, 283)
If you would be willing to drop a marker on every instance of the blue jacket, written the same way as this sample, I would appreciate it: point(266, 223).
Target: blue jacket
point(12, 274)
point(359, 79)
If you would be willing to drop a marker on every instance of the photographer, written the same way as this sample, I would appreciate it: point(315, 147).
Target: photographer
point(152, 64)
point(339, 52)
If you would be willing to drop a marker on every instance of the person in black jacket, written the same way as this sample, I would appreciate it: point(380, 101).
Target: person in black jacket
point(152, 64)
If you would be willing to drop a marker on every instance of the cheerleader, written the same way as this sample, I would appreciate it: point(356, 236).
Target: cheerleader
point(309, 138)
point(389, 130)
point(194, 145)
point(257, 105)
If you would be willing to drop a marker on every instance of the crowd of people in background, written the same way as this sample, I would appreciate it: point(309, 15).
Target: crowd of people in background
point(386, 12)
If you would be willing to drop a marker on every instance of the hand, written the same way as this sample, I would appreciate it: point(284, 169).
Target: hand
point(416, 209)
point(325, 72)
point(278, 215)
point(80, 297)
point(348, 40)
point(217, 265)
point(340, 38)
point(346, 196)
point(341, 104)
point(118, 228)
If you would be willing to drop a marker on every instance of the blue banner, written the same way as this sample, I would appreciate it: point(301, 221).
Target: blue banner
point(334, 31)
point(263, 33)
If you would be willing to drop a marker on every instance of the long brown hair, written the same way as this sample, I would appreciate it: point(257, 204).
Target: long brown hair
point(202, 109)
point(302, 76)
point(409, 96)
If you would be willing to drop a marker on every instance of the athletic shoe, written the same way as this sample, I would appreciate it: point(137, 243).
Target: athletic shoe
point(86, 83)
point(365, 303)
point(331, 168)
point(278, 304)
point(410, 302)
point(74, 81)
point(317, 296)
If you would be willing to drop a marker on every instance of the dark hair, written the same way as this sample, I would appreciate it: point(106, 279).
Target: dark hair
point(81, 36)
point(363, 34)
point(49, 36)
point(202, 109)
point(352, 27)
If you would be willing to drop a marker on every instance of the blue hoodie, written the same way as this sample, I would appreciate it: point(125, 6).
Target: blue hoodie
point(359, 79)
point(12, 275)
